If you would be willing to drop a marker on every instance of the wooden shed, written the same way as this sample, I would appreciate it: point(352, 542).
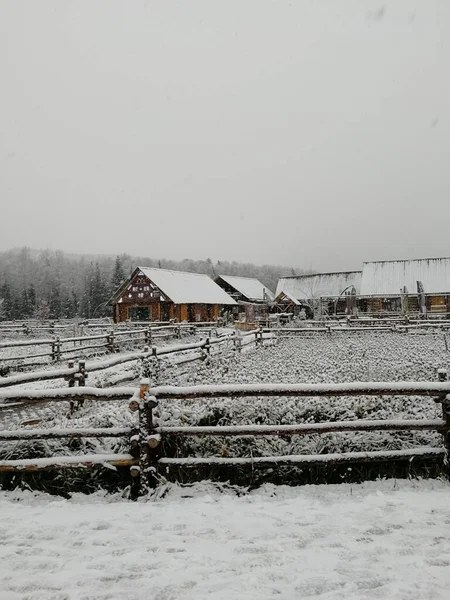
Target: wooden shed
point(161, 295)
point(245, 289)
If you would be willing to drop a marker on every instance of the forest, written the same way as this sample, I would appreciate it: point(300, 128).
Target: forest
point(51, 284)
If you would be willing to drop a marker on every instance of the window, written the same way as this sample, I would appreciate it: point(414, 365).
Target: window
point(134, 289)
point(140, 295)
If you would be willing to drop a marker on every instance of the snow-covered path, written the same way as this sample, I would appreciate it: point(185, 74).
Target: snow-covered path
point(384, 540)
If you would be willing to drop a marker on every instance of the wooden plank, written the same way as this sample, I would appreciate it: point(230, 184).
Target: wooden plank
point(54, 433)
point(307, 429)
point(67, 462)
point(402, 388)
point(310, 460)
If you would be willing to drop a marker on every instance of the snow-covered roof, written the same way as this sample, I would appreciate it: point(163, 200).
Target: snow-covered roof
point(390, 277)
point(322, 285)
point(187, 288)
point(288, 296)
point(249, 287)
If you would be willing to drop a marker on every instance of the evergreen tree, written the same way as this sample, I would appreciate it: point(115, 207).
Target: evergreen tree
point(7, 305)
point(118, 275)
point(32, 299)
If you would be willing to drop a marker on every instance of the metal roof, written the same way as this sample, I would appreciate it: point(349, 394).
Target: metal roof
point(321, 285)
point(249, 287)
point(389, 277)
point(187, 288)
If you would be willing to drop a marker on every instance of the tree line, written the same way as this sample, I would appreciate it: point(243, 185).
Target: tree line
point(51, 284)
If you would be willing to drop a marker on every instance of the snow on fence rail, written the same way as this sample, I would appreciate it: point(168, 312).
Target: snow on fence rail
point(105, 343)
point(332, 328)
point(30, 327)
point(145, 457)
point(78, 373)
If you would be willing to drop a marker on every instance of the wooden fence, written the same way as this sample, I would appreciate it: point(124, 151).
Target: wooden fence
point(146, 460)
point(28, 328)
point(78, 371)
point(110, 342)
point(331, 327)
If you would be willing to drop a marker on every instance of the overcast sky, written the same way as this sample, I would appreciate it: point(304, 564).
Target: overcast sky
point(313, 133)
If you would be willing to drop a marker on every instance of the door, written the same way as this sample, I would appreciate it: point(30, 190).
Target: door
point(165, 311)
point(140, 313)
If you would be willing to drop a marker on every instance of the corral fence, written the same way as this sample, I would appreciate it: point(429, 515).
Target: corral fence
point(77, 372)
point(146, 459)
point(330, 327)
point(113, 341)
point(32, 327)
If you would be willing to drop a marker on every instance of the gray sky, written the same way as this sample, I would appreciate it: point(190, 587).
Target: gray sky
point(312, 133)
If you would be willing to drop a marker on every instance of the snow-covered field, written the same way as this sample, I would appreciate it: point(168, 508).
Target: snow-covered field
point(385, 540)
point(383, 356)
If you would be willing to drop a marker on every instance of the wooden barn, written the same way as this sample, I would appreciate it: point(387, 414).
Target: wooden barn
point(419, 286)
point(323, 293)
point(161, 295)
point(245, 289)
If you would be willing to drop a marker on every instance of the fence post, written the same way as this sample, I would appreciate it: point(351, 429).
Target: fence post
point(71, 380)
point(237, 339)
point(178, 332)
point(148, 336)
point(443, 376)
point(110, 342)
point(148, 441)
point(207, 345)
point(57, 348)
point(81, 377)
point(259, 337)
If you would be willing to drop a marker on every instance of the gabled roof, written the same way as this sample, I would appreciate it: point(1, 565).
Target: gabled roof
point(287, 295)
point(321, 285)
point(390, 277)
point(187, 288)
point(249, 287)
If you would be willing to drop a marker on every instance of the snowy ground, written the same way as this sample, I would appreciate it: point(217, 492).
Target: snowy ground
point(387, 540)
point(320, 358)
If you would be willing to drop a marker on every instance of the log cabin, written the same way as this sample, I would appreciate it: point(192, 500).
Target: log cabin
point(152, 294)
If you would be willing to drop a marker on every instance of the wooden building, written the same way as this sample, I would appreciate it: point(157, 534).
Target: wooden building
point(323, 293)
point(161, 295)
point(245, 289)
point(420, 286)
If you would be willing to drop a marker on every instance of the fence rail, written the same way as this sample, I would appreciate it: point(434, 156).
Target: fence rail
point(103, 343)
point(80, 370)
point(145, 457)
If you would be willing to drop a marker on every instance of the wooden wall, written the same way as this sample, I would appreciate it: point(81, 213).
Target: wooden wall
point(178, 312)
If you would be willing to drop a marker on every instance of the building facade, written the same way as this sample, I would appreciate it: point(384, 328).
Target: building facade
point(162, 295)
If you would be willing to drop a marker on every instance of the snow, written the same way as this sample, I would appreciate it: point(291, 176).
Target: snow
point(312, 459)
point(251, 430)
point(389, 277)
point(61, 461)
point(187, 288)
point(379, 388)
point(249, 287)
point(323, 285)
point(285, 294)
point(382, 539)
